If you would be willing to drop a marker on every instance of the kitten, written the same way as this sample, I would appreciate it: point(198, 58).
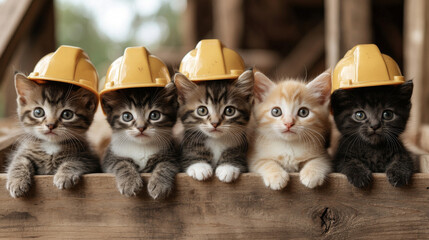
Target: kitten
point(55, 117)
point(292, 130)
point(214, 115)
point(142, 121)
point(370, 120)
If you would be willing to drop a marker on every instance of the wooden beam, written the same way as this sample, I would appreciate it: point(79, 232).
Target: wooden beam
point(244, 209)
point(16, 19)
point(35, 43)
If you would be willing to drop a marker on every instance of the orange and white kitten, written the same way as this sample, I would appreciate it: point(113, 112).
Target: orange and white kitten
point(292, 130)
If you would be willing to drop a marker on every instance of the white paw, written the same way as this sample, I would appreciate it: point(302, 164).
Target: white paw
point(277, 180)
point(227, 173)
point(200, 171)
point(311, 178)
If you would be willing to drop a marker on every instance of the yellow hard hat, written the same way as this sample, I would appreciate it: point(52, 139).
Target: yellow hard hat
point(136, 69)
point(69, 65)
point(210, 60)
point(365, 66)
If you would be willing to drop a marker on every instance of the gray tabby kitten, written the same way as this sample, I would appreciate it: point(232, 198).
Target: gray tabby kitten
point(215, 116)
point(55, 117)
point(142, 121)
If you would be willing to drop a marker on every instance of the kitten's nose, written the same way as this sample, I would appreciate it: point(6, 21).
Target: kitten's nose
point(375, 126)
point(141, 129)
point(50, 126)
point(289, 124)
point(215, 124)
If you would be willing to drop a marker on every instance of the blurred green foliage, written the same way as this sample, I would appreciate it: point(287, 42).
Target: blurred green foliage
point(75, 26)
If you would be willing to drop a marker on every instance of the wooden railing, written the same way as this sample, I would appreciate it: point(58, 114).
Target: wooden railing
point(245, 209)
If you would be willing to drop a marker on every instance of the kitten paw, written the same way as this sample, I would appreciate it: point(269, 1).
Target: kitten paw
point(276, 181)
point(129, 186)
point(200, 171)
point(227, 173)
point(18, 187)
point(360, 179)
point(398, 178)
point(159, 189)
point(311, 178)
point(65, 181)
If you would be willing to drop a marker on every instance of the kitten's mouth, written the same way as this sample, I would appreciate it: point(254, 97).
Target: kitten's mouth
point(141, 135)
point(50, 133)
point(215, 130)
point(288, 131)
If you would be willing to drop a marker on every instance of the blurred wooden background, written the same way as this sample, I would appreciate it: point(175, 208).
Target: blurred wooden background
point(294, 38)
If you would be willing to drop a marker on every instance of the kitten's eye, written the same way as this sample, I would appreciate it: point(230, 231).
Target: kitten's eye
point(229, 111)
point(126, 116)
point(155, 115)
point(303, 112)
point(388, 115)
point(67, 114)
point(202, 111)
point(276, 112)
point(360, 115)
point(38, 112)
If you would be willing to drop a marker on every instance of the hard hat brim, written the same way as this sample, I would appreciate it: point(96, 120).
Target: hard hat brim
point(64, 81)
point(212, 78)
point(371, 84)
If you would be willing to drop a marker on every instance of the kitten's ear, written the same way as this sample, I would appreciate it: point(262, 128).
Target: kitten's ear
point(406, 90)
point(109, 101)
point(244, 83)
point(24, 88)
point(321, 86)
point(184, 86)
point(89, 98)
point(262, 86)
point(170, 92)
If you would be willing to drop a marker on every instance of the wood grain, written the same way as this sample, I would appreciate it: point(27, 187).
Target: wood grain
point(244, 209)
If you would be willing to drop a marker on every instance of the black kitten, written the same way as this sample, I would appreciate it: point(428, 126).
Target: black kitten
point(370, 121)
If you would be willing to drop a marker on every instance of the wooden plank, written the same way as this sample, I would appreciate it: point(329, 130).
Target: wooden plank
point(242, 210)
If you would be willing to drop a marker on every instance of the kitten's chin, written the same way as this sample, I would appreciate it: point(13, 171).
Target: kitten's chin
point(373, 139)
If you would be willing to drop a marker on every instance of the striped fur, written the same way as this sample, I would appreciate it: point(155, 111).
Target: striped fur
point(62, 151)
point(131, 151)
point(206, 146)
point(290, 142)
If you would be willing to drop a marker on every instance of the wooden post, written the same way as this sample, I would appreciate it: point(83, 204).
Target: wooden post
point(228, 22)
point(332, 32)
point(347, 23)
point(416, 39)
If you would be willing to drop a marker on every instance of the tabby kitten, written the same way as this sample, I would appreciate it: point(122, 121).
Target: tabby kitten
point(214, 116)
point(55, 117)
point(370, 120)
point(292, 129)
point(142, 121)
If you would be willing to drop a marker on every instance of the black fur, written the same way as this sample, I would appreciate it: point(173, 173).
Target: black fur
point(373, 144)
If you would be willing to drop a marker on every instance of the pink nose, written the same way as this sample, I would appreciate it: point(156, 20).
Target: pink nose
point(289, 125)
